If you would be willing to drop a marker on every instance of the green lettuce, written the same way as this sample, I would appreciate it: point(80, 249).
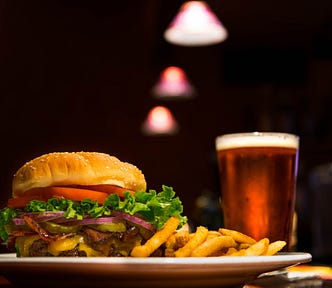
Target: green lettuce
point(6, 214)
point(156, 208)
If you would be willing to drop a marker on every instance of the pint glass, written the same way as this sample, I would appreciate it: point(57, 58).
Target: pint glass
point(258, 174)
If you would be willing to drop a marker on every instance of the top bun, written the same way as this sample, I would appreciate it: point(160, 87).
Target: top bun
point(77, 168)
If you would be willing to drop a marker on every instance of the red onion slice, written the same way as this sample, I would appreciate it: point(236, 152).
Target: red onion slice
point(18, 221)
point(58, 217)
point(41, 215)
point(135, 220)
point(38, 217)
point(93, 221)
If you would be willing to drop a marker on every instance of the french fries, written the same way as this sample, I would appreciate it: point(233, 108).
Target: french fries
point(258, 248)
point(274, 247)
point(237, 236)
point(212, 246)
point(197, 239)
point(205, 243)
point(157, 239)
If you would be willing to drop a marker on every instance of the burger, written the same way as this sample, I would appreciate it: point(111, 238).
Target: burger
point(83, 204)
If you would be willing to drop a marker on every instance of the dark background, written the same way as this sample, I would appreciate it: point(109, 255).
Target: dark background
point(77, 75)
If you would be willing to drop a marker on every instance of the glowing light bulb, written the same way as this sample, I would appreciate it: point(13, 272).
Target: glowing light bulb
point(174, 74)
point(195, 25)
point(159, 121)
point(173, 83)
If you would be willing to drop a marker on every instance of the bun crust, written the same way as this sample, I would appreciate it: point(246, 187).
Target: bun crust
point(76, 168)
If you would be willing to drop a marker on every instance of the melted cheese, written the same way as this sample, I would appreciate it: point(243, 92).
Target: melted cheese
point(23, 244)
point(89, 251)
point(69, 243)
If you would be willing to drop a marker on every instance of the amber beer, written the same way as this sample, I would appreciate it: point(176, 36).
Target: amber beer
point(258, 178)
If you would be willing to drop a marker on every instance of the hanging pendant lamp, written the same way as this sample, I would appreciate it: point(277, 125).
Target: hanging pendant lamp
point(159, 121)
point(195, 25)
point(173, 84)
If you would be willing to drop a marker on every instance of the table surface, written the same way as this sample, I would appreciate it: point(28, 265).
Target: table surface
point(269, 282)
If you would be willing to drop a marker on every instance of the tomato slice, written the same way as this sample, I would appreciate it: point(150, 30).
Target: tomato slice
point(21, 201)
point(45, 193)
point(109, 189)
point(94, 192)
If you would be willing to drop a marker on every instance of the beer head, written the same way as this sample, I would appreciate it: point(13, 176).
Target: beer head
point(257, 139)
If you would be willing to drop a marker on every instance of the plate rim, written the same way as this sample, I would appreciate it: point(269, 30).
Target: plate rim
point(186, 272)
point(283, 257)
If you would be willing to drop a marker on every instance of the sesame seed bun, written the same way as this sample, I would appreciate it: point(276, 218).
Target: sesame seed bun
point(77, 168)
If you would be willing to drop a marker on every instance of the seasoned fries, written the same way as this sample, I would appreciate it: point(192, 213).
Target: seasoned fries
point(205, 243)
point(258, 248)
point(197, 239)
point(237, 236)
point(157, 239)
point(274, 247)
point(213, 245)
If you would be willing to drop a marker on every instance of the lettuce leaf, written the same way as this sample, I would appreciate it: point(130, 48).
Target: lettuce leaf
point(155, 208)
point(6, 214)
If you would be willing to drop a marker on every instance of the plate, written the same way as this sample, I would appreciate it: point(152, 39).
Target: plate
point(142, 272)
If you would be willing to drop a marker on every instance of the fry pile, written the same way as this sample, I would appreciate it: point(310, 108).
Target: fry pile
point(205, 243)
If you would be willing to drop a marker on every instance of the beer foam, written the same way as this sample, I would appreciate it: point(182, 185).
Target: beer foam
point(257, 139)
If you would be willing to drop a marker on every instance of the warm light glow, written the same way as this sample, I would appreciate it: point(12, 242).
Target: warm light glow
point(323, 272)
point(195, 25)
point(160, 121)
point(173, 74)
point(173, 83)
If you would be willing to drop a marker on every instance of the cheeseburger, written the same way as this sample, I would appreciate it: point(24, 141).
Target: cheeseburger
point(83, 204)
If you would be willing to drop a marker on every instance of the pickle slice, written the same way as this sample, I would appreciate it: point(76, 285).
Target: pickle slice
point(59, 229)
point(111, 227)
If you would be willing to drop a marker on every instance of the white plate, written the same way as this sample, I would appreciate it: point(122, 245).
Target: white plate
point(142, 272)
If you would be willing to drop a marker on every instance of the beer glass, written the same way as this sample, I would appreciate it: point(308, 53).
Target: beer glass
point(258, 174)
